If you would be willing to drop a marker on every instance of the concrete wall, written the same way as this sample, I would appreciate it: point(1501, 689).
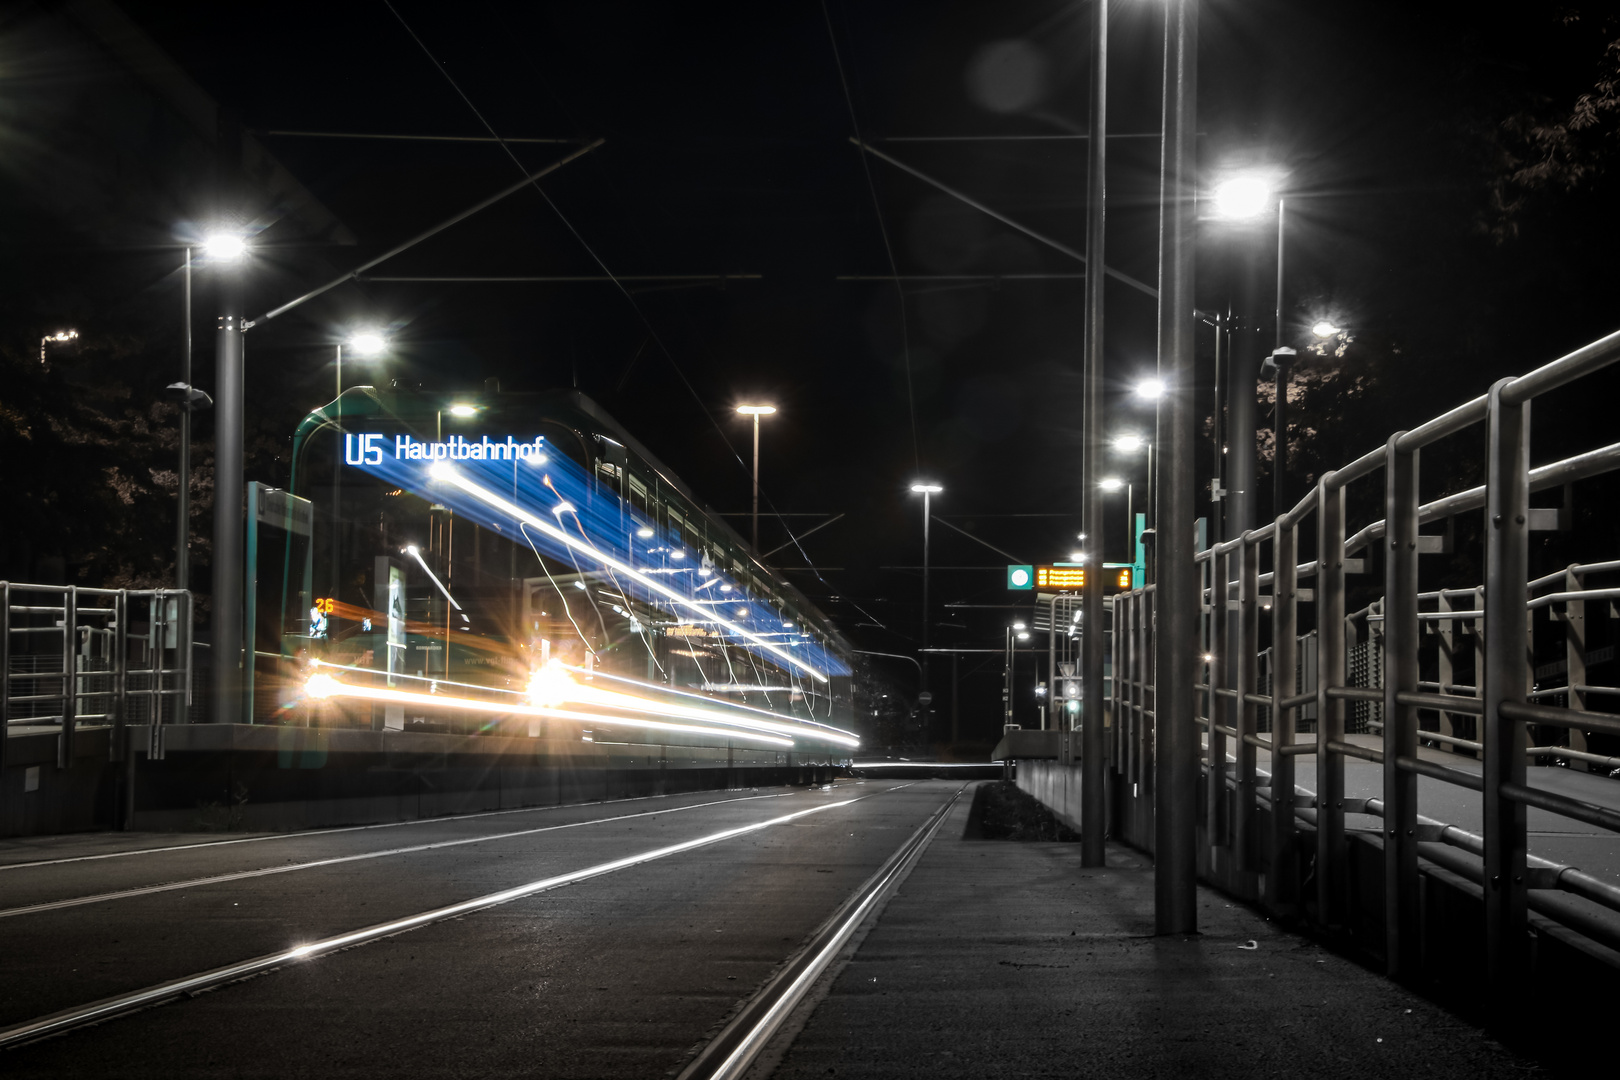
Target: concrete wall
point(222, 777)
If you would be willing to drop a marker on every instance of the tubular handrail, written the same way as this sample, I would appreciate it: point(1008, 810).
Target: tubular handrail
point(1565, 369)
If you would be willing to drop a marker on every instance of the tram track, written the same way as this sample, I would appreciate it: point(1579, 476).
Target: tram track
point(307, 834)
point(95, 1012)
point(242, 875)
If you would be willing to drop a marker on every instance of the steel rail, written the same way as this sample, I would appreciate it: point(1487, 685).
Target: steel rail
point(345, 829)
point(107, 1008)
point(267, 871)
point(729, 1054)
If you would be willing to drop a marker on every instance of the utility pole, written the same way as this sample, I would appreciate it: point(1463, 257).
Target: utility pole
point(1093, 802)
point(1175, 764)
point(228, 465)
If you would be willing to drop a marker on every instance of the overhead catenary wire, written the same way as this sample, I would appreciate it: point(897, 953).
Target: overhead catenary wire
point(883, 228)
point(569, 225)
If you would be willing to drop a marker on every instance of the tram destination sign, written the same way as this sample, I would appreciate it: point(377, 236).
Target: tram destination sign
point(371, 448)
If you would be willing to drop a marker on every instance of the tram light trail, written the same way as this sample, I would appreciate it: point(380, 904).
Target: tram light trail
point(324, 687)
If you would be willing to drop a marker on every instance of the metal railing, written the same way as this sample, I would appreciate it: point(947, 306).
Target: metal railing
point(76, 658)
point(1486, 634)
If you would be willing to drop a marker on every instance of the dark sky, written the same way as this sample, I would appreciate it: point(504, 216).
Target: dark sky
point(727, 129)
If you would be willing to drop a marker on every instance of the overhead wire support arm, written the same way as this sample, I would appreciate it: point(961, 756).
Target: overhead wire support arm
point(434, 231)
point(1055, 245)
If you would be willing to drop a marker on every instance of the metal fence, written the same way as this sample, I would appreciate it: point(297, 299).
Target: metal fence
point(75, 658)
point(1450, 669)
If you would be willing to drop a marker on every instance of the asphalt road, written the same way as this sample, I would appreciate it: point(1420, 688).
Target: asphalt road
point(624, 974)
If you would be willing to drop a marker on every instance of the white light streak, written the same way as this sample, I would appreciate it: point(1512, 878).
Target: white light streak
point(454, 476)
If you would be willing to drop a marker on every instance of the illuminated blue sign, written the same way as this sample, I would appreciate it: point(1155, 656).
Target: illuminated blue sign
point(369, 449)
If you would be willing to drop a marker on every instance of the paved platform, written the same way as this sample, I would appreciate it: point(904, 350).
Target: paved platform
point(1009, 959)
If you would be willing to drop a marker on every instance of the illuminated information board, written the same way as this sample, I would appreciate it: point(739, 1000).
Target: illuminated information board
point(1068, 576)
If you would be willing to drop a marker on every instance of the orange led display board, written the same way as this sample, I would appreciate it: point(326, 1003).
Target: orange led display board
point(1073, 576)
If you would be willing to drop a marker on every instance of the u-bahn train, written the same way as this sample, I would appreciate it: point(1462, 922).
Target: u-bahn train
point(519, 562)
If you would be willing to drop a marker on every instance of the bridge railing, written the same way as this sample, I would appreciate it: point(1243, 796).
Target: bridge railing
point(1258, 828)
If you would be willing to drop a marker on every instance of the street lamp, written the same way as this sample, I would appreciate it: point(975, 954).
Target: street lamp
point(1151, 389)
point(756, 411)
point(366, 344)
point(1130, 444)
point(927, 489)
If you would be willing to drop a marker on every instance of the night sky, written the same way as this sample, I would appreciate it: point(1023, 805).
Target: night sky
point(727, 151)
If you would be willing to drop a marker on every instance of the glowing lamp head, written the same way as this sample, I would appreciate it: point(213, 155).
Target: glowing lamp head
point(679, 554)
point(463, 411)
point(1324, 329)
point(645, 532)
point(1023, 635)
point(367, 343)
point(1129, 443)
point(1111, 483)
point(321, 685)
point(226, 247)
point(550, 686)
point(440, 470)
point(1018, 626)
point(413, 551)
point(1242, 198)
point(756, 410)
point(1152, 389)
point(924, 488)
point(1077, 556)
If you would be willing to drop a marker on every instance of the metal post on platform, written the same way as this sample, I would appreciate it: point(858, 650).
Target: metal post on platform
point(1401, 912)
point(1502, 679)
point(1220, 708)
point(1248, 649)
point(1329, 710)
point(1175, 762)
point(70, 677)
point(1093, 801)
point(229, 407)
point(1282, 880)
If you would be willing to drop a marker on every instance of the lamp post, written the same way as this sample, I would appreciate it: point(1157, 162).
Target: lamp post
point(366, 343)
point(189, 398)
point(927, 490)
point(756, 411)
point(1130, 444)
point(1112, 484)
point(226, 252)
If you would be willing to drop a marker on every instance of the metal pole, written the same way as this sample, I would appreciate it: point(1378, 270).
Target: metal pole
point(756, 486)
point(1330, 847)
point(1175, 765)
point(1093, 804)
point(337, 495)
point(1281, 219)
point(1217, 432)
point(1282, 882)
point(1401, 912)
point(182, 547)
point(1503, 678)
point(229, 406)
point(928, 706)
point(1279, 416)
